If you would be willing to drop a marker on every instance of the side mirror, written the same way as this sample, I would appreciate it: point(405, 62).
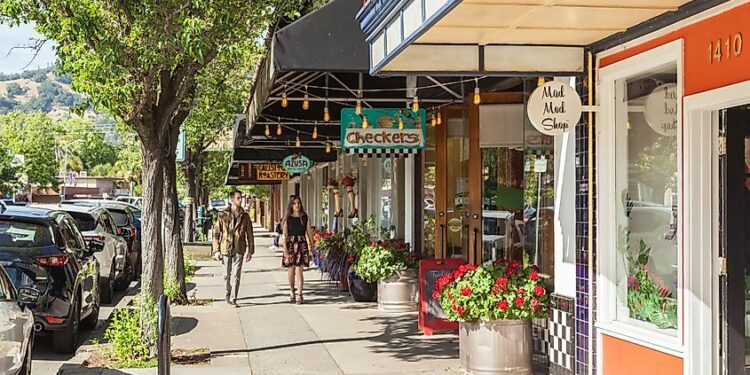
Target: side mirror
point(28, 295)
point(96, 246)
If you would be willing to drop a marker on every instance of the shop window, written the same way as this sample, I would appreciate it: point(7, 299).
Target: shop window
point(429, 228)
point(638, 196)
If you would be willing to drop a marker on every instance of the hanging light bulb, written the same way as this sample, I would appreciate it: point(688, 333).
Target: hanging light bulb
point(297, 143)
point(433, 120)
point(415, 104)
point(315, 131)
point(278, 128)
point(540, 81)
point(364, 122)
point(328, 148)
point(439, 119)
point(326, 114)
point(268, 131)
point(477, 97)
point(306, 101)
point(284, 99)
point(358, 107)
point(400, 122)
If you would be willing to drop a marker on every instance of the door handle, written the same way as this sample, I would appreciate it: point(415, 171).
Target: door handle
point(476, 251)
point(442, 239)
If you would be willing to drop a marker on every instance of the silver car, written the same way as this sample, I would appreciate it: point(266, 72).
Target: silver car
point(16, 327)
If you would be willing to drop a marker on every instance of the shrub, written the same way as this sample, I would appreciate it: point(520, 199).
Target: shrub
point(124, 335)
point(39, 77)
point(382, 259)
point(505, 290)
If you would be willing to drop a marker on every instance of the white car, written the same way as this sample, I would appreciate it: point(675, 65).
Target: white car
point(135, 201)
point(16, 327)
point(95, 222)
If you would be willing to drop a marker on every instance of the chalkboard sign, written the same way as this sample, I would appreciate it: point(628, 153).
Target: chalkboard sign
point(431, 316)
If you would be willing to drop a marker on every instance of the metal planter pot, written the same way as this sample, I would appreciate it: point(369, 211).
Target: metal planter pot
point(496, 347)
point(398, 293)
point(361, 290)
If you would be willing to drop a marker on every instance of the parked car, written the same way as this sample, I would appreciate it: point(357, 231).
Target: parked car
point(128, 226)
point(47, 258)
point(96, 223)
point(16, 327)
point(218, 204)
point(136, 201)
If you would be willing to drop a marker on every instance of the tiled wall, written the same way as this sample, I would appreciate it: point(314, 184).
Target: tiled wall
point(561, 335)
point(584, 302)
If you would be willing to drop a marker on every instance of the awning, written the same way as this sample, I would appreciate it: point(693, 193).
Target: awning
point(544, 37)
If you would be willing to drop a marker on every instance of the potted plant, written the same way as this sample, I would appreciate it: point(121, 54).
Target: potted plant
point(333, 255)
point(333, 186)
point(359, 237)
point(348, 181)
point(494, 305)
point(394, 267)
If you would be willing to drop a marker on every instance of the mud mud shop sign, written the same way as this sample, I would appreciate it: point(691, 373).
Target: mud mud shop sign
point(554, 108)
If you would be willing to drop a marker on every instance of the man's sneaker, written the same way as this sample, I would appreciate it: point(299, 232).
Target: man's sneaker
point(234, 302)
point(228, 300)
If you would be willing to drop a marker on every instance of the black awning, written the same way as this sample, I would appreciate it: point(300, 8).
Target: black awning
point(275, 154)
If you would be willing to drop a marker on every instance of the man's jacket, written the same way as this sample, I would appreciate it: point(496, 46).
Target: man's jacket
point(232, 233)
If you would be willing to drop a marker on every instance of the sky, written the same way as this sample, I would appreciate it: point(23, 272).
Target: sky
point(16, 60)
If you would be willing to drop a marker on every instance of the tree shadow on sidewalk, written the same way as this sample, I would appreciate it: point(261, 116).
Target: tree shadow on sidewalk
point(402, 339)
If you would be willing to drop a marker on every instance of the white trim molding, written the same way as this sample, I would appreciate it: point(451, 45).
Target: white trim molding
point(608, 151)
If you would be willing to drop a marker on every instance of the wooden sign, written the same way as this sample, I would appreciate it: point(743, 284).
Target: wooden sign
point(386, 128)
point(431, 317)
point(263, 172)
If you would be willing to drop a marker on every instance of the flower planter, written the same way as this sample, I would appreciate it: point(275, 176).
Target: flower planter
point(361, 290)
point(344, 282)
point(398, 293)
point(495, 347)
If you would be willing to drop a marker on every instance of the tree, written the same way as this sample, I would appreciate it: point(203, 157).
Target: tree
point(92, 149)
point(14, 89)
point(39, 77)
point(33, 136)
point(7, 171)
point(139, 60)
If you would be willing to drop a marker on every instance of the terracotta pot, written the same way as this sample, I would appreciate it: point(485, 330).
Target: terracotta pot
point(398, 293)
point(497, 347)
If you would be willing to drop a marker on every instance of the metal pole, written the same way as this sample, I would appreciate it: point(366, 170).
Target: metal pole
point(163, 351)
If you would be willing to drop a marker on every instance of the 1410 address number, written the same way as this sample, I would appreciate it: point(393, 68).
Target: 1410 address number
point(725, 48)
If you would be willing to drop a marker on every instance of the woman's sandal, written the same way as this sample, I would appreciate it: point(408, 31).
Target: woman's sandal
point(300, 300)
point(292, 296)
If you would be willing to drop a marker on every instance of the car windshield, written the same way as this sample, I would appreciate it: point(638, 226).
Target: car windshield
point(120, 216)
point(19, 234)
point(84, 220)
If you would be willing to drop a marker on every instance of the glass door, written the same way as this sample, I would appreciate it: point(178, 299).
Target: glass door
point(734, 278)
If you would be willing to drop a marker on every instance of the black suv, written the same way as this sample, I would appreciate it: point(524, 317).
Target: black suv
point(43, 250)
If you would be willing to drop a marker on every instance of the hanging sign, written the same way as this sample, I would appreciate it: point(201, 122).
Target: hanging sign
point(661, 109)
point(554, 108)
point(296, 164)
point(269, 172)
point(540, 165)
point(383, 129)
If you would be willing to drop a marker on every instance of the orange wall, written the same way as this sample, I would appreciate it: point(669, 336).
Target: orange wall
point(701, 72)
point(626, 358)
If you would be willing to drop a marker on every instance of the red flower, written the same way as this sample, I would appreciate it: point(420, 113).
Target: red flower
point(502, 305)
point(520, 291)
point(534, 275)
point(350, 260)
point(535, 304)
point(466, 292)
point(460, 310)
point(632, 282)
point(435, 295)
point(502, 283)
point(510, 270)
point(539, 290)
point(454, 307)
point(519, 302)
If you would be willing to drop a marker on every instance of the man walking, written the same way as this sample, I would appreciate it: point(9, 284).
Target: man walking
point(233, 239)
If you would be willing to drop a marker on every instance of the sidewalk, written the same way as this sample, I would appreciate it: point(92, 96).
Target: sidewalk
point(329, 334)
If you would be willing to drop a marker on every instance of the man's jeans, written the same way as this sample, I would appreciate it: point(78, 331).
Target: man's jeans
point(232, 270)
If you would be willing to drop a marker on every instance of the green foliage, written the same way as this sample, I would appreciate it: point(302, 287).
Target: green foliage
point(382, 259)
point(7, 172)
point(506, 290)
point(101, 170)
point(7, 105)
point(650, 300)
point(32, 135)
point(14, 88)
point(124, 333)
point(361, 235)
point(39, 77)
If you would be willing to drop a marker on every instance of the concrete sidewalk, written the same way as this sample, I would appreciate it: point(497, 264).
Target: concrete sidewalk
point(266, 334)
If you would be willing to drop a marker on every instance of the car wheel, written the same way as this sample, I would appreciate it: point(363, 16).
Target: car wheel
point(90, 322)
point(107, 286)
point(26, 368)
point(65, 340)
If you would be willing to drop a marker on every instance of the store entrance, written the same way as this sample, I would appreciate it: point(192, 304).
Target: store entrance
point(734, 203)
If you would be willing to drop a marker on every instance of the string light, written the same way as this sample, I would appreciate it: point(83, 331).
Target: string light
point(358, 107)
point(328, 148)
point(315, 131)
point(433, 120)
point(306, 101)
point(439, 119)
point(284, 99)
point(268, 131)
point(278, 128)
point(400, 122)
point(297, 143)
point(364, 122)
point(540, 81)
point(477, 97)
point(326, 115)
point(415, 104)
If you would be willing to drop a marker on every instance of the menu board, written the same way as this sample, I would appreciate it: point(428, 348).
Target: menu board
point(431, 316)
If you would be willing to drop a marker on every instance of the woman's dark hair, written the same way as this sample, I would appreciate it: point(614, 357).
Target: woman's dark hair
point(290, 207)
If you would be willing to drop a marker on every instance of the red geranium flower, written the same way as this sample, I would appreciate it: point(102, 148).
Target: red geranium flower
point(502, 283)
point(466, 292)
point(519, 302)
point(534, 275)
point(520, 291)
point(460, 310)
point(502, 305)
point(350, 260)
point(539, 290)
point(435, 295)
point(535, 304)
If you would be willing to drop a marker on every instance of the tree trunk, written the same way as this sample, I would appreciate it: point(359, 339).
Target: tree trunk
point(191, 190)
point(174, 259)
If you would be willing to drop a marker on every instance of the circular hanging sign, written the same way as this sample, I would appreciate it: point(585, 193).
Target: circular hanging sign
point(554, 108)
point(661, 109)
point(296, 164)
point(454, 225)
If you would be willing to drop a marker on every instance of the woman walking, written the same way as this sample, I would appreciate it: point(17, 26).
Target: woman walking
point(298, 237)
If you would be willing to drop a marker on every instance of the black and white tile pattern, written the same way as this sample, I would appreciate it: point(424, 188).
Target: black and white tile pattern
point(382, 152)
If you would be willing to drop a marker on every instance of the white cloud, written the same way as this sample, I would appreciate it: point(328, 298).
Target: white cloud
point(16, 60)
